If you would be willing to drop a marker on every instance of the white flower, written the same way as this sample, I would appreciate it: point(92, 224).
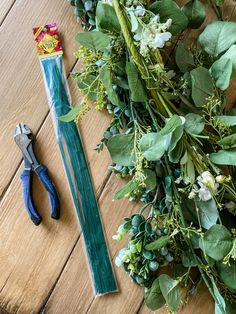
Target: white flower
point(161, 39)
point(208, 181)
point(204, 194)
point(155, 18)
point(137, 36)
point(122, 257)
point(192, 194)
point(139, 11)
point(223, 179)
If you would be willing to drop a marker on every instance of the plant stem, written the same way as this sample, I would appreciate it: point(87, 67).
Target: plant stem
point(125, 28)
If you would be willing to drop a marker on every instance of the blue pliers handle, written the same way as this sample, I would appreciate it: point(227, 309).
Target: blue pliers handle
point(23, 138)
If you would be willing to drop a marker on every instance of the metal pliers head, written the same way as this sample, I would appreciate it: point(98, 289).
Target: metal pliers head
point(23, 138)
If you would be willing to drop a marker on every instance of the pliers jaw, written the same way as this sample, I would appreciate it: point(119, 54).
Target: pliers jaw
point(23, 138)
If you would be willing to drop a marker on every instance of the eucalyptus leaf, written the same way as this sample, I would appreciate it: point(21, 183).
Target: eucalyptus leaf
point(230, 54)
point(175, 154)
point(194, 123)
point(168, 9)
point(171, 125)
point(217, 242)
point(153, 296)
point(170, 290)
point(208, 213)
point(153, 146)
point(137, 90)
point(217, 37)
point(151, 179)
point(71, 115)
point(106, 78)
point(224, 157)
point(221, 71)
point(228, 120)
point(184, 58)
point(188, 259)
point(202, 85)
point(88, 85)
point(195, 12)
point(228, 141)
point(106, 19)
point(176, 135)
point(121, 147)
point(126, 189)
point(93, 40)
point(158, 244)
point(220, 306)
point(227, 274)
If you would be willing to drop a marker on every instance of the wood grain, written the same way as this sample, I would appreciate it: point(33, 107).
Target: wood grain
point(22, 95)
point(31, 258)
point(5, 6)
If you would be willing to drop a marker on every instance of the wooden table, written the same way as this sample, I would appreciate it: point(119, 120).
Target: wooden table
point(44, 269)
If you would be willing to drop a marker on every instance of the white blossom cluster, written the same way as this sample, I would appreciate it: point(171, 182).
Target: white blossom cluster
point(152, 35)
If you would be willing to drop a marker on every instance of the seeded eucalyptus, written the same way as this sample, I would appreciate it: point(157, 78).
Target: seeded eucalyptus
point(171, 138)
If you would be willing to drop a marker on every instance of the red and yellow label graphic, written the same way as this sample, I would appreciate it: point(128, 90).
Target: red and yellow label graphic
point(47, 40)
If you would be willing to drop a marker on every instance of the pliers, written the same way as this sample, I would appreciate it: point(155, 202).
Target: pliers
point(23, 138)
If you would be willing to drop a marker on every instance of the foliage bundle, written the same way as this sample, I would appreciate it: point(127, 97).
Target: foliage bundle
point(172, 137)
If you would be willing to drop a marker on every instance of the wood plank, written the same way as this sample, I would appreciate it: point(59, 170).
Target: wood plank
point(73, 292)
point(5, 6)
point(22, 92)
point(31, 258)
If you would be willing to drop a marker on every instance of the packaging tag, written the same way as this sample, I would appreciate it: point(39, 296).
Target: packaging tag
point(47, 40)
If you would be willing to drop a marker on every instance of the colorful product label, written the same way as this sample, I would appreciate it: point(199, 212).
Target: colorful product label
point(47, 40)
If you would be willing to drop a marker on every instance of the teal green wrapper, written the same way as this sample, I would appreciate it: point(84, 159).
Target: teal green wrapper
point(78, 175)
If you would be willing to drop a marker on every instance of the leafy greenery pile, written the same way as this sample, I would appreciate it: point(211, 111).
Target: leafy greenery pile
point(172, 137)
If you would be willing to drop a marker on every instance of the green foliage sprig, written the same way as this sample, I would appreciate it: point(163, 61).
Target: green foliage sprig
point(173, 139)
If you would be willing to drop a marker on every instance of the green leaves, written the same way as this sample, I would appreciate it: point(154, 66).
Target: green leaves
point(184, 58)
point(227, 274)
point(121, 147)
point(106, 78)
point(224, 69)
point(71, 115)
point(163, 290)
point(195, 12)
point(217, 37)
point(216, 242)
point(129, 187)
point(228, 120)
point(153, 146)
point(228, 141)
point(224, 157)
point(171, 125)
point(153, 296)
point(202, 85)
point(93, 40)
point(106, 19)
point(88, 85)
point(207, 213)
point(168, 9)
point(170, 290)
point(221, 71)
point(158, 244)
point(137, 90)
point(194, 124)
